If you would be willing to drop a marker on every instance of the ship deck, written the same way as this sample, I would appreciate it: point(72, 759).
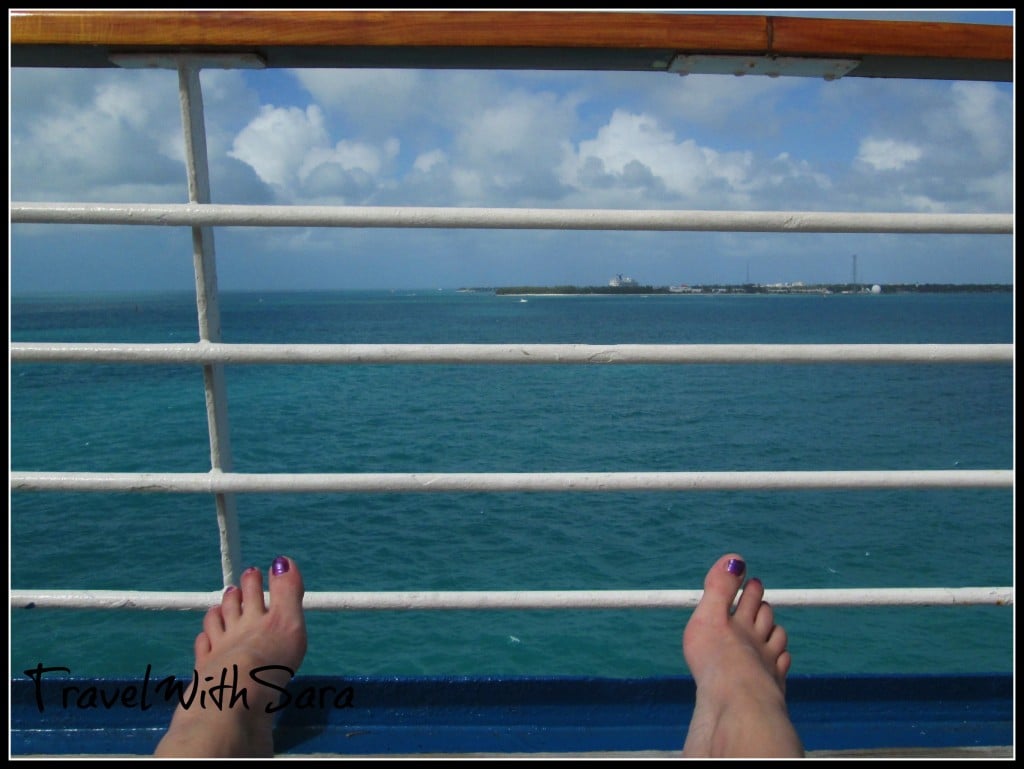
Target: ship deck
point(854, 716)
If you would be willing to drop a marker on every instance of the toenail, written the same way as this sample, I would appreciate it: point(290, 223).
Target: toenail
point(735, 566)
point(280, 566)
point(229, 589)
point(251, 568)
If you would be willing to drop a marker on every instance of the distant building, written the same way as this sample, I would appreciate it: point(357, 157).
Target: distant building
point(619, 281)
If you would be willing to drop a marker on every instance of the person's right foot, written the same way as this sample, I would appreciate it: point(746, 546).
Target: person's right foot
point(739, 662)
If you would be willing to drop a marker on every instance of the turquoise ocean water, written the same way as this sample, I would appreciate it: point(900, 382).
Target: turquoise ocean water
point(529, 418)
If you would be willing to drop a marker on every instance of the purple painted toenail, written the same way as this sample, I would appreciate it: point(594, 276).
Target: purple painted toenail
point(735, 566)
point(229, 588)
point(280, 566)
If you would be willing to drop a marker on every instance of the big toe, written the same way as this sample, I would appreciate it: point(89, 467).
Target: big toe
point(286, 588)
point(722, 583)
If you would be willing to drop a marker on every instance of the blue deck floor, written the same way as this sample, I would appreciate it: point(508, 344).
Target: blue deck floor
point(520, 715)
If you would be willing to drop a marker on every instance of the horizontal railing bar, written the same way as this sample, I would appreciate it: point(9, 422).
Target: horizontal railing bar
point(304, 483)
point(516, 39)
point(720, 33)
point(517, 599)
point(207, 352)
point(209, 215)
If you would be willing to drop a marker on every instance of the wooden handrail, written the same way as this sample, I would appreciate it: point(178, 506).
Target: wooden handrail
point(389, 28)
point(511, 39)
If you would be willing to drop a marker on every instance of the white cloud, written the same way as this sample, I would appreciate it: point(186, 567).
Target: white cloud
point(123, 103)
point(633, 152)
point(469, 185)
point(89, 136)
point(229, 104)
point(888, 154)
point(278, 140)
point(429, 160)
point(718, 101)
point(978, 109)
point(507, 153)
point(290, 149)
point(923, 204)
point(995, 190)
point(350, 156)
point(366, 96)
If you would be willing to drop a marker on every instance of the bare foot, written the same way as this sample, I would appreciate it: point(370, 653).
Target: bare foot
point(240, 637)
point(739, 662)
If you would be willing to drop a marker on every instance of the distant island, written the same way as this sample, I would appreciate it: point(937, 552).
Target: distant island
point(758, 288)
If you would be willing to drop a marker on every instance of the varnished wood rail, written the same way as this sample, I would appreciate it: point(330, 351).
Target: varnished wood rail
point(512, 39)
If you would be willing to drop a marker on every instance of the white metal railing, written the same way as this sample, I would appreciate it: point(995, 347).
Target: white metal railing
point(519, 354)
point(171, 214)
point(217, 482)
point(201, 215)
point(519, 599)
point(207, 306)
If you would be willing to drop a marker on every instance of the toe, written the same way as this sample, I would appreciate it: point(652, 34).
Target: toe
point(202, 648)
point(750, 601)
point(231, 604)
point(723, 582)
point(782, 665)
point(213, 624)
point(252, 591)
point(777, 640)
point(764, 621)
point(286, 587)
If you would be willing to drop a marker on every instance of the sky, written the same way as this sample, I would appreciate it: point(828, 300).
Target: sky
point(512, 139)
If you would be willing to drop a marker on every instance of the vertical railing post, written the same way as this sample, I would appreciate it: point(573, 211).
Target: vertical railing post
point(209, 313)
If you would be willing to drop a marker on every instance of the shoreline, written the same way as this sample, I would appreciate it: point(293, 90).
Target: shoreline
point(748, 289)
